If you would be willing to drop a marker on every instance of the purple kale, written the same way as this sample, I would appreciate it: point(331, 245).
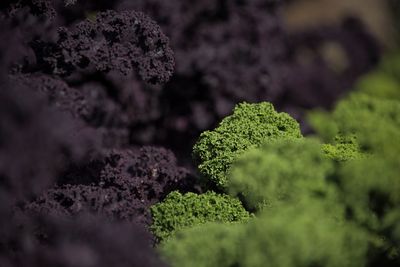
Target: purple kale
point(126, 110)
point(83, 241)
point(45, 9)
point(149, 172)
point(122, 186)
point(59, 94)
point(124, 42)
point(47, 127)
point(109, 202)
point(90, 104)
point(37, 142)
point(39, 8)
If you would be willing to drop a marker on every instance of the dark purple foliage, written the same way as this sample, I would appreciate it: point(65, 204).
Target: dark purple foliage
point(41, 8)
point(123, 185)
point(120, 41)
point(84, 241)
point(36, 141)
point(90, 104)
point(110, 202)
point(149, 172)
point(48, 128)
point(59, 94)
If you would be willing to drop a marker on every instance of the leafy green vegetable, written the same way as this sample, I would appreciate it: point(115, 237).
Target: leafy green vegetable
point(179, 211)
point(344, 148)
point(249, 126)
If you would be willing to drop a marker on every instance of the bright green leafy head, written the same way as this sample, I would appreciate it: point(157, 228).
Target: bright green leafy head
point(178, 211)
point(249, 126)
point(280, 171)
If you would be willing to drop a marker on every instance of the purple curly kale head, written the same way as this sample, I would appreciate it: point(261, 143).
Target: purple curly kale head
point(122, 185)
point(124, 42)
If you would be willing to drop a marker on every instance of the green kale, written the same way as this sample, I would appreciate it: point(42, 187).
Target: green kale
point(343, 149)
point(249, 126)
point(178, 211)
